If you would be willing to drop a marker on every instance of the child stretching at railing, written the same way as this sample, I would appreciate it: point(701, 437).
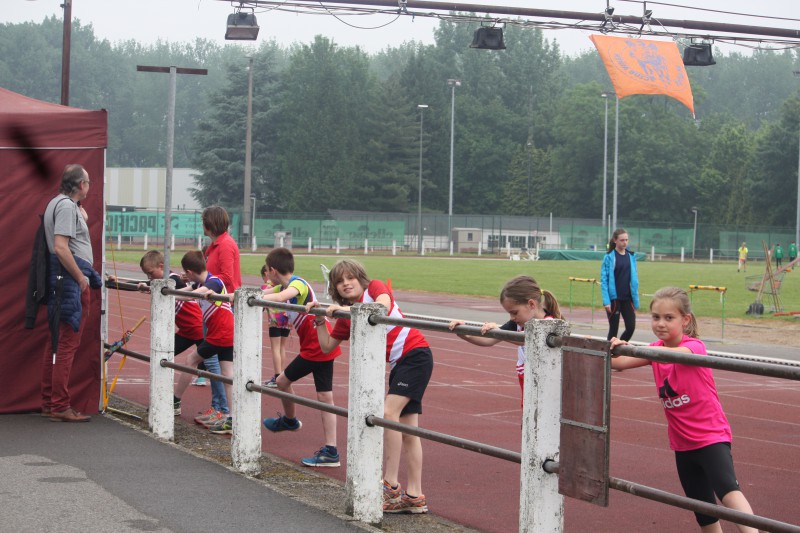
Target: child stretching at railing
point(523, 300)
point(698, 430)
point(411, 363)
point(278, 333)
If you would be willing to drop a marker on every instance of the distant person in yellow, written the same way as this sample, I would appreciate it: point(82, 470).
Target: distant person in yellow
point(742, 257)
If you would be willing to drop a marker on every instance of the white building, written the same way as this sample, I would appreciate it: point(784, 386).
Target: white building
point(147, 187)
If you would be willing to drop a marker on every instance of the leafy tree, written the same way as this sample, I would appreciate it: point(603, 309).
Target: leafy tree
point(333, 127)
point(219, 144)
point(577, 156)
point(326, 94)
point(722, 184)
point(530, 189)
point(762, 80)
point(660, 150)
point(390, 175)
point(774, 179)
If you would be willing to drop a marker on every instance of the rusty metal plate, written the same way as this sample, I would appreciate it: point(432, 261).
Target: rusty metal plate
point(585, 404)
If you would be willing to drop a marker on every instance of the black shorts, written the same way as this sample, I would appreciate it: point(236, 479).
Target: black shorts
point(322, 371)
point(206, 350)
point(278, 332)
point(410, 377)
point(184, 343)
point(705, 472)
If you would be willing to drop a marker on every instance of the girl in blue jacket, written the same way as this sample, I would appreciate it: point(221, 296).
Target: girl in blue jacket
point(619, 284)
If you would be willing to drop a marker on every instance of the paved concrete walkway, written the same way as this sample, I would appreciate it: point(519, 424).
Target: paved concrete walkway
point(105, 476)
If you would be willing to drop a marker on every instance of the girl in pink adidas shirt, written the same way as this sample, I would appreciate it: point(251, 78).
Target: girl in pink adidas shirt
point(699, 432)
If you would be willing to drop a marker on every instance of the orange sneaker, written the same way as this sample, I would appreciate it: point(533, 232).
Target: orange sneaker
point(216, 418)
point(408, 505)
point(391, 494)
point(205, 416)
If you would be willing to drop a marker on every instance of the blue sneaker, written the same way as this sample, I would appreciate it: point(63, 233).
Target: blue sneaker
point(281, 423)
point(322, 457)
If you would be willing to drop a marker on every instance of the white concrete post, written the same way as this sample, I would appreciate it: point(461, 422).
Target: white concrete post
point(394, 247)
point(309, 245)
point(541, 506)
point(451, 247)
point(199, 242)
point(172, 242)
point(366, 246)
point(711, 255)
point(508, 247)
point(337, 245)
point(652, 253)
point(480, 247)
point(119, 241)
point(246, 408)
point(254, 245)
point(682, 253)
point(364, 498)
point(162, 346)
point(145, 241)
point(422, 248)
point(282, 242)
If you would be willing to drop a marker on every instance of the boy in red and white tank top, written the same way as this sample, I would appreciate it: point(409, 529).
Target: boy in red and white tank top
point(411, 363)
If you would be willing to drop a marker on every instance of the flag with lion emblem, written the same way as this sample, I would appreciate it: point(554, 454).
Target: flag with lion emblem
point(641, 66)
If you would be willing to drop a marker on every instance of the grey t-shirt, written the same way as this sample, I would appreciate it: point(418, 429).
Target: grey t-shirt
point(68, 221)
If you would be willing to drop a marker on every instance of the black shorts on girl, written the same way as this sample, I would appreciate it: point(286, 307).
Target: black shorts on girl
point(184, 343)
point(206, 350)
point(322, 371)
point(275, 331)
point(409, 378)
point(705, 472)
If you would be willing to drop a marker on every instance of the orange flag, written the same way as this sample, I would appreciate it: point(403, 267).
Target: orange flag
point(640, 66)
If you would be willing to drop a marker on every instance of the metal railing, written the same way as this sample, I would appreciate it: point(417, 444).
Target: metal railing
point(541, 507)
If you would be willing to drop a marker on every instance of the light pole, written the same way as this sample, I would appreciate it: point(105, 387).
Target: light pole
point(452, 84)
point(605, 161)
point(173, 75)
point(694, 234)
point(253, 225)
point(616, 165)
point(66, 41)
point(246, 230)
point(797, 218)
point(530, 158)
point(422, 108)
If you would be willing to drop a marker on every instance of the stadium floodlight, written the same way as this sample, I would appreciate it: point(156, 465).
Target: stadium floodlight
point(241, 27)
point(698, 55)
point(488, 38)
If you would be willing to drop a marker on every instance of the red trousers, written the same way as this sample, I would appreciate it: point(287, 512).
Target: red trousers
point(55, 377)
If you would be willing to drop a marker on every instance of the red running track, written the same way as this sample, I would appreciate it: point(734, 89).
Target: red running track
point(474, 394)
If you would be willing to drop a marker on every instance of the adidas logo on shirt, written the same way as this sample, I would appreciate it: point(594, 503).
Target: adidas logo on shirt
point(671, 403)
point(671, 399)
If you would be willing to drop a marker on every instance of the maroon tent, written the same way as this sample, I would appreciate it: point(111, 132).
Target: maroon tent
point(37, 140)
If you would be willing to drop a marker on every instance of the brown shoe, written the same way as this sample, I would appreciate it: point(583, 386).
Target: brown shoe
point(69, 415)
point(45, 412)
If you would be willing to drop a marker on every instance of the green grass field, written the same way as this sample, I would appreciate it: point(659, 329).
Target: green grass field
point(485, 277)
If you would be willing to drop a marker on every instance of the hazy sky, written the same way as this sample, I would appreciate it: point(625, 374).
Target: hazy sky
point(184, 20)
